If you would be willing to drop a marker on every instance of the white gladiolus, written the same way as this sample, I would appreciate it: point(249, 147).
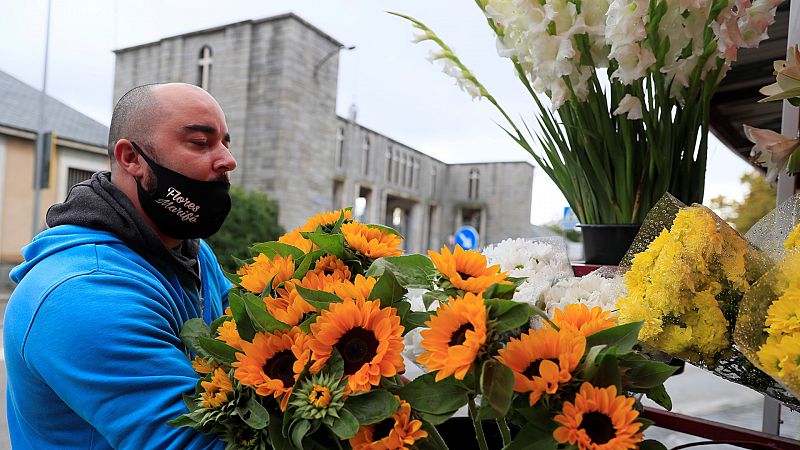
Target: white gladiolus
point(457, 73)
point(630, 105)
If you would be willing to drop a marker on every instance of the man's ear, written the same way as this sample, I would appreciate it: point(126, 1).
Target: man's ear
point(128, 159)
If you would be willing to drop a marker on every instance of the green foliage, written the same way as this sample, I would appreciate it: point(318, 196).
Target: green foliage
point(758, 201)
point(253, 218)
point(571, 234)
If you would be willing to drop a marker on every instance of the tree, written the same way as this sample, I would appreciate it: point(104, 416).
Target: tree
point(758, 201)
point(253, 218)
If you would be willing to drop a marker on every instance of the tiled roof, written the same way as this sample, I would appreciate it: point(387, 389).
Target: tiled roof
point(19, 108)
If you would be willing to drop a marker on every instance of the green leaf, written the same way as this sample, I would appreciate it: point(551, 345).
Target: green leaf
point(497, 387)
point(305, 327)
point(644, 373)
point(244, 325)
point(276, 437)
point(651, 444)
point(305, 264)
point(234, 278)
point(623, 337)
point(222, 352)
point(431, 296)
point(507, 314)
point(346, 426)
point(659, 395)
point(416, 319)
point(318, 299)
point(271, 249)
point(411, 271)
point(191, 333)
point(503, 291)
point(387, 289)
point(532, 437)
point(218, 322)
point(427, 395)
point(330, 243)
point(182, 421)
point(335, 365)
point(253, 414)
point(373, 406)
point(607, 371)
point(298, 430)
point(436, 419)
point(260, 318)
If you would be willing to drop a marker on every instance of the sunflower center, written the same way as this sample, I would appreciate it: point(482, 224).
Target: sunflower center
point(533, 368)
point(328, 271)
point(382, 429)
point(460, 335)
point(279, 367)
point(465, 276)
point(598, 427)
point(320, 396)
point(357, 347)
point(247, 437)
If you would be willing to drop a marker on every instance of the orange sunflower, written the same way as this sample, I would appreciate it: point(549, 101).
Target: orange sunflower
point(467, 270)
point(371, 242)
point(289, 308)
point(326, 218)
point(272, 362)
point(586, 321)
point(255, 276)
point(204, 366)
point(543, 359)
point(370, 340)
point(358, 289)
point(295, 239)
point(228, 334)
point(599, 420)
point(398, 432)
point(331, 266)
point(215, 392)
point(455, 336)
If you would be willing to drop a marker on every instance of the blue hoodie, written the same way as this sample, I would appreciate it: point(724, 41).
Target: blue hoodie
point(92, 345)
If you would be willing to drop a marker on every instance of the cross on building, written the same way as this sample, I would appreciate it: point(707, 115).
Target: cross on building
point(205, 66)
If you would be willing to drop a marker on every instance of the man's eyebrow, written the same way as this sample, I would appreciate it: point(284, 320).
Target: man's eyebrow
point(206, 129)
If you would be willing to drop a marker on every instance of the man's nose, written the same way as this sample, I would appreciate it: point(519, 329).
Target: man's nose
point(225, 162)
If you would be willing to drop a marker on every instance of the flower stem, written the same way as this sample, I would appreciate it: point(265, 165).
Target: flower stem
point(504, 430)
point(473, 413)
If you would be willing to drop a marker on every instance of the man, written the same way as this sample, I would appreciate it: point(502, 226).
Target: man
point(91, 333)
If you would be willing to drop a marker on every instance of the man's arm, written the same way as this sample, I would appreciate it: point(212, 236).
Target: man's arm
point(108, 346)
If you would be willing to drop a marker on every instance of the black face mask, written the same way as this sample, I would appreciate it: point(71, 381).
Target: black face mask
point(182, 207)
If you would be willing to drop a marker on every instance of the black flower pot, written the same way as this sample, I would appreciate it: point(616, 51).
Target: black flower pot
point(606, 244)
point(459, 433)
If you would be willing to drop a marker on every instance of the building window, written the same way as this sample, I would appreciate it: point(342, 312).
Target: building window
point(339, 147)
point(395, 165)
point(389, 165)
point(204, 68)
point(365, 156)
point(402, 180)
point(433, 180)
point(474, 179)
point(415, 177)
point(75, 176)
point(409, 181)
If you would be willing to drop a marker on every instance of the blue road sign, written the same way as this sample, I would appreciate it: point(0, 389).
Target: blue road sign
point(467, 237)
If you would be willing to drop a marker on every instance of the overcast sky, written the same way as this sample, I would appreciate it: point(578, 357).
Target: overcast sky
point(397, 91)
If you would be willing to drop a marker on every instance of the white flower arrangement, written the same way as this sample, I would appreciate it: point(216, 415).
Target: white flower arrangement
point(541, 262)
point(591, 290)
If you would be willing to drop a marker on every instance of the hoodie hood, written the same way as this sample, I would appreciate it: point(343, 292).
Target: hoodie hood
point(100, 206)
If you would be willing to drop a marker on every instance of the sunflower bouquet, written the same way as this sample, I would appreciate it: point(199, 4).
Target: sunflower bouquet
point(310, 353)
point(687, 276)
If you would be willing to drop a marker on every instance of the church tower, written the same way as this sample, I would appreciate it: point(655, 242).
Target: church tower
point(276, 80)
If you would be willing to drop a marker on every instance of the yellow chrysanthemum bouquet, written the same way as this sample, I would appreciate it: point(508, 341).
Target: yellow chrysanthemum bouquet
point(687, 274)
point(768, 326)
point(310, 354)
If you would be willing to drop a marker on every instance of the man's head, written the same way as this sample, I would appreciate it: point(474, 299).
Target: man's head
point(179, 127)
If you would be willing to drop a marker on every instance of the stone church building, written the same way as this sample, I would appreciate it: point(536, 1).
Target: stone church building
point(276, 80)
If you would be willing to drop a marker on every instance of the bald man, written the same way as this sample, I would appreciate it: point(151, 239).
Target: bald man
point(91, 336)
